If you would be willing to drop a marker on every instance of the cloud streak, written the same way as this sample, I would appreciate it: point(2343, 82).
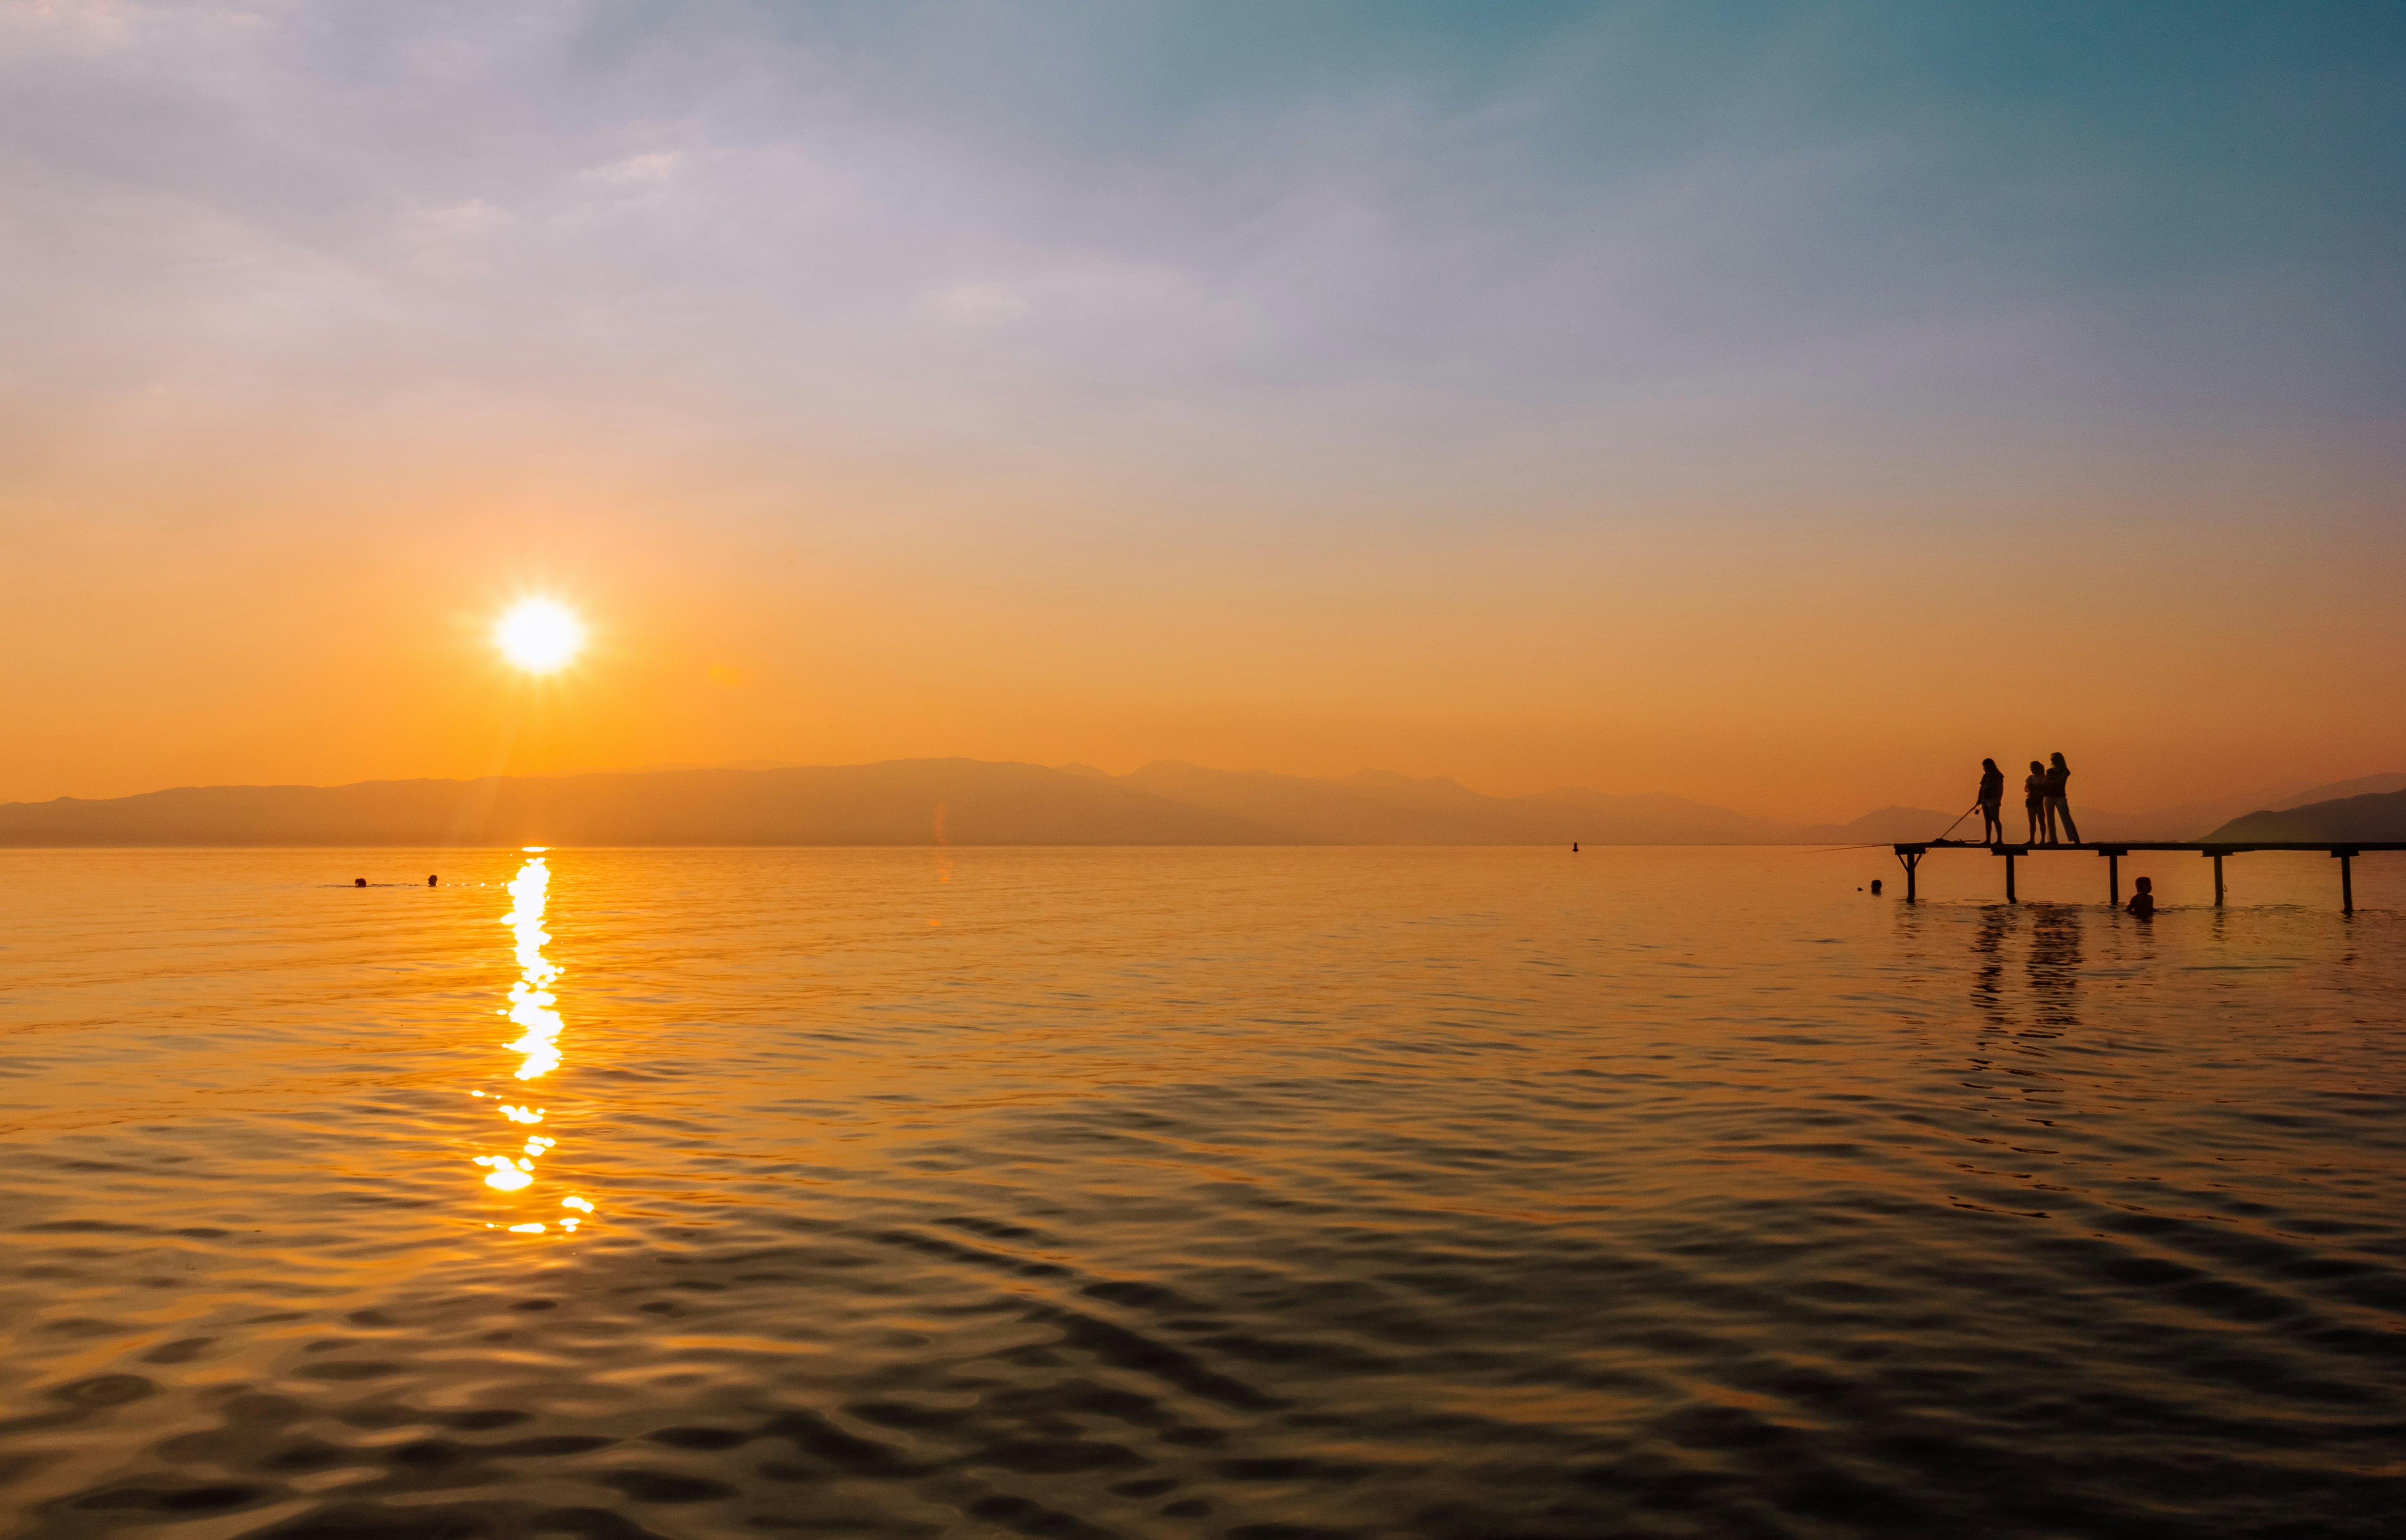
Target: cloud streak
point(1603, 220)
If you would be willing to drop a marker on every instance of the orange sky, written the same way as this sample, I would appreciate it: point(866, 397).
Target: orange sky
point(1807, 672)
point(1408, 418)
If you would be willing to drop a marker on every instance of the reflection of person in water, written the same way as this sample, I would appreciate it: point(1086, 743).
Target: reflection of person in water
point(2059, 811)
point(1992, 794)
point(2034, 798)
point(2143, 898)
point(1989, 949)
point(2054, 967)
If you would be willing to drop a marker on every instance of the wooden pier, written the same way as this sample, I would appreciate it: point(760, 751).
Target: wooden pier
point(1909, 857)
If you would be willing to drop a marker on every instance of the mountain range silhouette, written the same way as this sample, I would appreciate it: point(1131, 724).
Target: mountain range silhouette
point(2374, 815)
point(983, 802)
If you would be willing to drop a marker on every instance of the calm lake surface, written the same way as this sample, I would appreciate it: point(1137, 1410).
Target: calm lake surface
point(1258, 1193)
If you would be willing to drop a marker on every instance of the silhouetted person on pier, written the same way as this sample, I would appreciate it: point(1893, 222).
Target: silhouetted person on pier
point(1992, 796)
point(2034, 798)
point(2059, 811)
point(2143, 898)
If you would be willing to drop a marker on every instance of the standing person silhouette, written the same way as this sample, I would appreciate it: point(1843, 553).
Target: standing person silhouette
point(2035, 799)
point(1992, 795)
point(2059, 811)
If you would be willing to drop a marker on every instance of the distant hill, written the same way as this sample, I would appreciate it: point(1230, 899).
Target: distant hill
point(1650, 818)
point(898, 802)
point(2189, 821)
point(892, 803)
point(2363, 786)
point(1381, 807)
point(1375, 808)
point(2378, 815)
point(1886, 827)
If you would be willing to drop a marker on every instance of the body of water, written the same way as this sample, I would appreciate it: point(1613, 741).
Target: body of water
point(1264, 1194)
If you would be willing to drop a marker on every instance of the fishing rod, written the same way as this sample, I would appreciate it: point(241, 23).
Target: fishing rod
point(1959, 818)
point(1882, 844)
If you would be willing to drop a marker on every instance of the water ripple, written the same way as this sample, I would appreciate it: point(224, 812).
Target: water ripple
point(1260, 1194)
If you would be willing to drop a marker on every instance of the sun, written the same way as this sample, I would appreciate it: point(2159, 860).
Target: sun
point(539, 635)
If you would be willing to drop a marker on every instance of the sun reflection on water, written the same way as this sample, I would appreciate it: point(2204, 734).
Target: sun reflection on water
point(531, 996)
point(532, 1009)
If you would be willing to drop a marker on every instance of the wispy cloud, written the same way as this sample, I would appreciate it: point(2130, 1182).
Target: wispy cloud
point(1611, 232)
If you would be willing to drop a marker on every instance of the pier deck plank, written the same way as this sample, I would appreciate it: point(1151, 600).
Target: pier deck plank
point(2124, 847)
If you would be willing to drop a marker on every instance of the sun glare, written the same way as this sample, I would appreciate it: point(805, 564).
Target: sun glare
point(539, 635)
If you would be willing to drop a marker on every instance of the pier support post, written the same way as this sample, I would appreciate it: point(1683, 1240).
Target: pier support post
point(2346, 880)
point(1909, 857)
point(2009, 879)
point(2217, 879)
point(2113, 878)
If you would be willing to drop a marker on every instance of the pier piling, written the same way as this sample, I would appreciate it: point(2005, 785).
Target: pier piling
point(1909, 857)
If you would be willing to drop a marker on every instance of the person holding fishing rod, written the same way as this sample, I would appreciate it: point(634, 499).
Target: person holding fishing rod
point(1992, 796)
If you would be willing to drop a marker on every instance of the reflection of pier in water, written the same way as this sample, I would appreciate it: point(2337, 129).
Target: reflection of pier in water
point(2051, 967)
point(2345, 851)
point(532, 1008)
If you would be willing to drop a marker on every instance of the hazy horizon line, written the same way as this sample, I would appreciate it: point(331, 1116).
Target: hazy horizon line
point(1075, 766)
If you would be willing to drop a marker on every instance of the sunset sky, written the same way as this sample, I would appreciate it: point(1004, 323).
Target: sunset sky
point(1780, 405)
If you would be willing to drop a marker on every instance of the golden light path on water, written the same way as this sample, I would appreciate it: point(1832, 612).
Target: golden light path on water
point(532, 1008)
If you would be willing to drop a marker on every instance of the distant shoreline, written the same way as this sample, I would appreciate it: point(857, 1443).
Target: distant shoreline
point(960, 802)
point(963, 845)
